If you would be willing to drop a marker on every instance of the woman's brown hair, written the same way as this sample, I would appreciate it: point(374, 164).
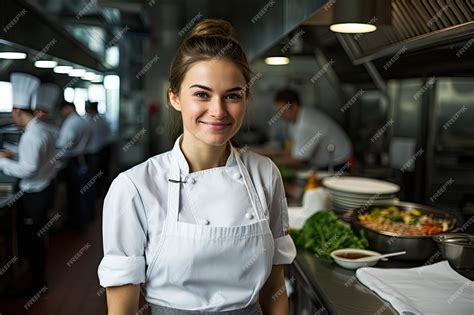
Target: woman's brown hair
point(209, 39)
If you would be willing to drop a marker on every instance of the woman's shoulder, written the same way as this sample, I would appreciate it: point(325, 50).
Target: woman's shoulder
point(154, 167)
point(255, 161)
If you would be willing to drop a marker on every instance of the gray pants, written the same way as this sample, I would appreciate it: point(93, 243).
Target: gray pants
point(253, 309)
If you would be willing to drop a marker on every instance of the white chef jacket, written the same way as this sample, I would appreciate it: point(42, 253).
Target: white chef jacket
point(313, 132)
point(36, 152)
point(135, 210)
point(74, 136)
point(99, 133)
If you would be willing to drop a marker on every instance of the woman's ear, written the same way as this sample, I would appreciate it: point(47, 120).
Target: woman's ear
point(174, 100)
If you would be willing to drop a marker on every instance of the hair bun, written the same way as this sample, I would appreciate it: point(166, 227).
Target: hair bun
point(214, 27)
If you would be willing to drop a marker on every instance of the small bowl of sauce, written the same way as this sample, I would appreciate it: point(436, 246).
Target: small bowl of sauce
point(346, 258)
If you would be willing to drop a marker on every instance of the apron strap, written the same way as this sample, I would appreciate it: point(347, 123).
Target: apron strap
point(173, 191)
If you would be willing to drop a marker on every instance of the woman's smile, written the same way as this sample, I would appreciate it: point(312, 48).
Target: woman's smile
point(216, 126)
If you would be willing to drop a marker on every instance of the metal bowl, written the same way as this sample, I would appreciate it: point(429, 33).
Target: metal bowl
point(457, 248)
point(417, 247)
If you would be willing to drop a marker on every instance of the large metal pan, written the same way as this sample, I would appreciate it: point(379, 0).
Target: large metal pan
point(417, 247)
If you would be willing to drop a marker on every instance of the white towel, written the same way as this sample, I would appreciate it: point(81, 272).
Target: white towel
point(433, 289)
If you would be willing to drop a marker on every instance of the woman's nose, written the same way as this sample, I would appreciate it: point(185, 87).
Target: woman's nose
point(217, 108)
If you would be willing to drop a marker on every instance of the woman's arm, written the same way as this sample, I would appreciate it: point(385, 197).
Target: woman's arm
point(273, 298)
point(123, 300)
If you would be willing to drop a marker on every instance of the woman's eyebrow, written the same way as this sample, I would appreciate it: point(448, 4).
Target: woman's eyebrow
point(237, 88)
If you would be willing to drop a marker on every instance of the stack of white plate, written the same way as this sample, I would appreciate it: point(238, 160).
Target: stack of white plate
point(350, 193)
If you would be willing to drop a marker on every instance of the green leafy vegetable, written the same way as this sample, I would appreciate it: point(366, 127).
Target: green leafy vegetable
point(286, 172)
point(323, 232)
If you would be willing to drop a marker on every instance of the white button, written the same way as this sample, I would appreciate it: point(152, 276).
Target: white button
point(249, 216)
point(191, 181)
point(237, 176)
point(205, 221)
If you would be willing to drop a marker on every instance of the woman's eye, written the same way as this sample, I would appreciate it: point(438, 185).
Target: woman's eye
point(234, 96)
point(201, 94)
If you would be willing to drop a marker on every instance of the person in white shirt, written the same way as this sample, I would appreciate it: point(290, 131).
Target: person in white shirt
point(34, 166)
point(74, 134)
point(46, 100)
point(73, 144)
point(316, 138)
point(99, 144)
point(204, 227)
point(99, 126)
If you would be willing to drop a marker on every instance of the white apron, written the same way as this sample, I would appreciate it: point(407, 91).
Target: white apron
point(199, 267)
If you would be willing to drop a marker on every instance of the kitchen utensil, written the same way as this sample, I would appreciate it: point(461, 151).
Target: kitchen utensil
point(457, 248)
point(418, 248)
point(370, 258)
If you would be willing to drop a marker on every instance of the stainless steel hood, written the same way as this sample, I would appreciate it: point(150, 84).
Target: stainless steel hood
point(25, 27)
point(425, 38)
point(416, 25)
point(262, 23)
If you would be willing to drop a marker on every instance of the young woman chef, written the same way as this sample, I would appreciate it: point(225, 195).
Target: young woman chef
point(204, 226)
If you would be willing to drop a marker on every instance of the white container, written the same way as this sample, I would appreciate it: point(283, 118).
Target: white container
point(352, 264)
point(315, 200)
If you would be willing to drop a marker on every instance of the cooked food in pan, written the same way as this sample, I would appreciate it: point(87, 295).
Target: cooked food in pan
point(411, 222)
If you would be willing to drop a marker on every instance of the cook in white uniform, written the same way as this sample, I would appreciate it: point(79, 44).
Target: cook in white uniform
point(35, 152)
point(99, 144)
point(74, 134)
point(46, 101)
point(99, 127)
point(317, 139)
point(74, 137)
point(204, 226)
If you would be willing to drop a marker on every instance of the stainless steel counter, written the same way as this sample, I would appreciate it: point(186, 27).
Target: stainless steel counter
point(336, 290)
point(8, 192)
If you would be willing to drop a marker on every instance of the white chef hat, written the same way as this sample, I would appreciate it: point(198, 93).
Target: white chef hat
point(47, 97)
point(24, 88)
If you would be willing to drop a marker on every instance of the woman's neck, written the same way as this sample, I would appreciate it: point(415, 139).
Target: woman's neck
point(201, 156)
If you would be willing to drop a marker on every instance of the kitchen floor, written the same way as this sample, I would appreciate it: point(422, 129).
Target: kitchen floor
point(73, 257)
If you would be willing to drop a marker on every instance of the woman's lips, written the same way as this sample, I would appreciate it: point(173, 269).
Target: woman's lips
point(216, 126)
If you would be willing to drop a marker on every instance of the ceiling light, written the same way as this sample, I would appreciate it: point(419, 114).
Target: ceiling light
point(77, 73)
point(12, 55)
point(353, 28)
point(46, 64)
point(62, 69)
point(97, 78)
point(89, 76)
point(360, 16)
point(277, 61)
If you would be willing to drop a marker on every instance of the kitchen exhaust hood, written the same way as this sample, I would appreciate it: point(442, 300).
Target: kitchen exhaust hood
point(425, 37)
point(24, 27)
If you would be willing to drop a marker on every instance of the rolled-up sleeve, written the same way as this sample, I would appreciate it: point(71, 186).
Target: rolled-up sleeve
point(285, 249)
point(124, 235)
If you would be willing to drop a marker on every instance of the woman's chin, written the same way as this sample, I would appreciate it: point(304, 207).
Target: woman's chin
point(216, 140)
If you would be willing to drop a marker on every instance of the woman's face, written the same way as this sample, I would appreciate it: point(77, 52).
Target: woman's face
point(211, 101)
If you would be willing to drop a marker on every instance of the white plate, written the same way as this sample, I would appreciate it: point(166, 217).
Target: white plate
point(360, 185)
point(345, 196)
point(357, 203)
point(337, 208)
point(359, 196)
